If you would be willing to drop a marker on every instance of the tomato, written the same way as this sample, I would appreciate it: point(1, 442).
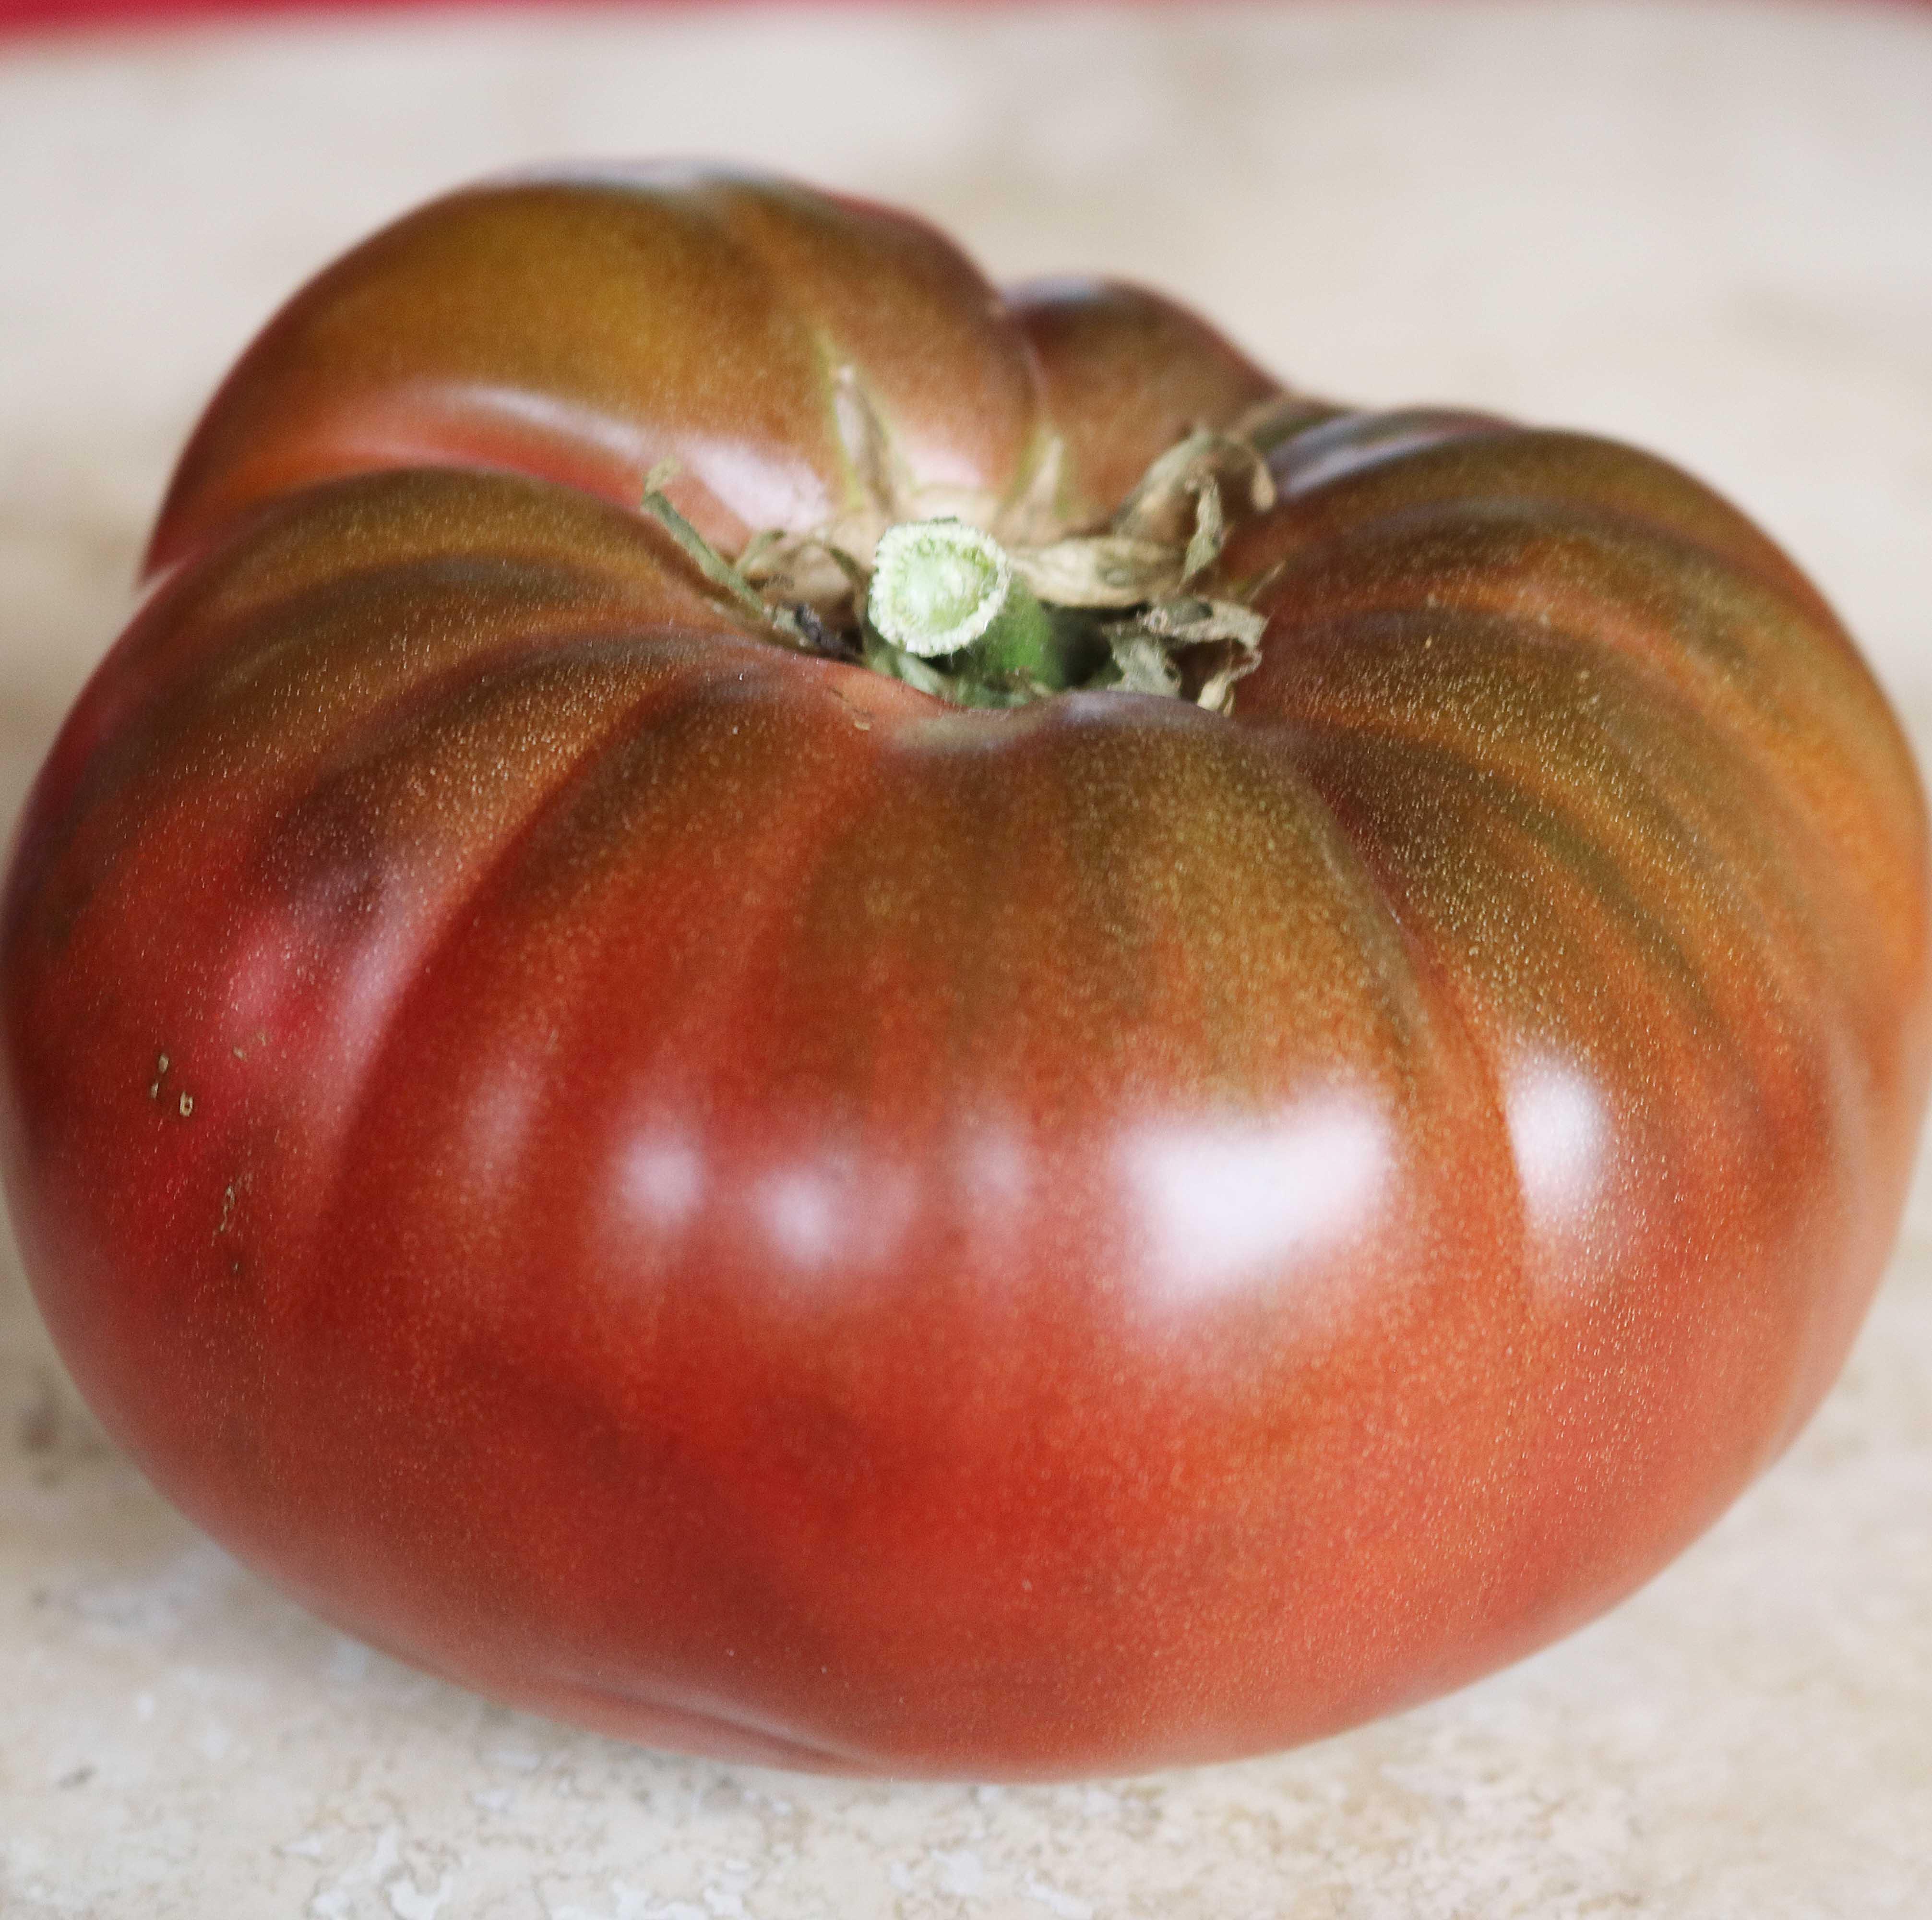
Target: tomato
point(686, 1182)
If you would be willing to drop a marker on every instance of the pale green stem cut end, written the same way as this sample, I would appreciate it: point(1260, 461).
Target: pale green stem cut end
point(938, 586)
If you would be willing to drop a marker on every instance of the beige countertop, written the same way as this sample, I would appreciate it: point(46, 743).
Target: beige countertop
point(1705, 228)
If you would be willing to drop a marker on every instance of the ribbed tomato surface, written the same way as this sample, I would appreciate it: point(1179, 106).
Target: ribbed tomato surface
point(694, 1187)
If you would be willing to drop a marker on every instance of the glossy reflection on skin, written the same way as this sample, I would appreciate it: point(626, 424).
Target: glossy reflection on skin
point(664, 1177)
point(1561, 1133)
point(1226, 1202)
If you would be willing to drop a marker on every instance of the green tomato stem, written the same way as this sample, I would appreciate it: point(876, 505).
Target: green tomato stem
point(942, 587)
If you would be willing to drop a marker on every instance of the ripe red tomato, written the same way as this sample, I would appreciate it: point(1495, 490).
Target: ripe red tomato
point(690, 1184)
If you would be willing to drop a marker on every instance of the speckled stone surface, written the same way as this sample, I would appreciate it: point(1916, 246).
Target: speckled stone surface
point(1703, 228)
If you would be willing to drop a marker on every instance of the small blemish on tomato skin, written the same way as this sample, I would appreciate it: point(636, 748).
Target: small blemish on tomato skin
point(184, 1101)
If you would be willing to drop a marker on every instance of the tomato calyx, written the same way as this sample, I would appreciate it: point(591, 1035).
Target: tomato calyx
point(942, 605)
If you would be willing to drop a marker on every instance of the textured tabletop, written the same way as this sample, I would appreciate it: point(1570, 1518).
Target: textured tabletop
point(1703, 228)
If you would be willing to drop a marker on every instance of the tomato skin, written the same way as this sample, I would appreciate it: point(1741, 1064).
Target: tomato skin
point(699, 1190)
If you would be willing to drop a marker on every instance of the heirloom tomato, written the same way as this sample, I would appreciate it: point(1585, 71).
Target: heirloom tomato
point(1259, 1090)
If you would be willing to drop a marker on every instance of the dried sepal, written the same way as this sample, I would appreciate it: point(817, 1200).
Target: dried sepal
point(1141, 663)
point(895, 663)
point(814, 568)
point(1216, 689)
point(1099, 570)
point(812, 589)
point(1193, 622)
point(708, 561)
point(1163, 506)
point(1205, 646)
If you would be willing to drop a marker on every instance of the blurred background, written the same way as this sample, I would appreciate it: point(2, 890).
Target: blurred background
point(1701, 227)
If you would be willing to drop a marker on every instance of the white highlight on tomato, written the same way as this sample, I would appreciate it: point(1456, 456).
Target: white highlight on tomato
point(764, 489)
point(839, 1211)
point(663, 1179)
point(497, 1122)
point(761, 490)
point(1561, 1133)
point(995, 1178)
point(457, 404)
point(799, 1210)
point(1231, 1200)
